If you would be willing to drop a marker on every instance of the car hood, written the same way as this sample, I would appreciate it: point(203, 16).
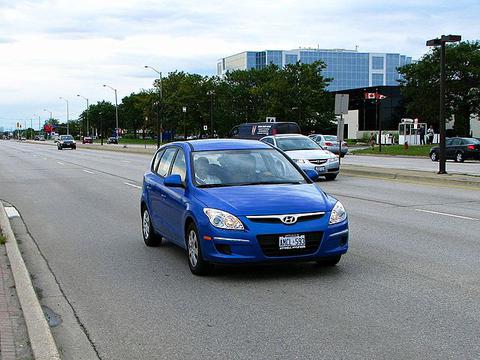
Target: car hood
point(310, 154)
point(266, 199)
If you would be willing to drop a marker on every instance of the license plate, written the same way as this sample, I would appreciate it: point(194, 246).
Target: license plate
point(293, 241)
point(320, 168)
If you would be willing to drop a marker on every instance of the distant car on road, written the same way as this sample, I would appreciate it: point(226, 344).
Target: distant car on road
point(112, 140)
point(66, 141)
point(239, 201)
point(256, 131)
point(458, 149)
point(307, 154)
point(87, 140)
point(330, 143)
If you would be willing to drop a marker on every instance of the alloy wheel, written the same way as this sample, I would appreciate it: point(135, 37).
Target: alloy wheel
point(146, 224)
point(193, 248)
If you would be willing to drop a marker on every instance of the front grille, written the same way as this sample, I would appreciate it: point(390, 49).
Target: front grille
point(318, 161)
point(278, 220)
point(270, 247)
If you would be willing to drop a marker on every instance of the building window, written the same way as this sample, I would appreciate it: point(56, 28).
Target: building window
point(377, 79)
point(377, 62)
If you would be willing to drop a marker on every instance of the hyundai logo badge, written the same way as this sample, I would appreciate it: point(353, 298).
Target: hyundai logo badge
point(289, 219)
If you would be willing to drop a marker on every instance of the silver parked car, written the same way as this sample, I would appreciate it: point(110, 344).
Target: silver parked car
point(306, 153)
point(330, 143)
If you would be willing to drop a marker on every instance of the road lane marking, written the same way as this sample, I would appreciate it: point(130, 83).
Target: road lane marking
point(445, 214)
point(44, 158)
point(125, 161)
point(11, 212)
point(132, 185)
point(88, 171)
point(60, 163)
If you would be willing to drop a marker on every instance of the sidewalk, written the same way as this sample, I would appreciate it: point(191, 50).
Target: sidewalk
point(14, 341)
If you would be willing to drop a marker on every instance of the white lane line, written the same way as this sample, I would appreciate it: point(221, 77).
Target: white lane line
point(88, 171)
point(44, 158)
point(11, 212)
point(132, 185)
point(445, 214)
point(125, 161)
point(60, 163)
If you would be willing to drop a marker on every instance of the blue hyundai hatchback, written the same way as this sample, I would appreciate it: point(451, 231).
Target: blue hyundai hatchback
point(239, 201)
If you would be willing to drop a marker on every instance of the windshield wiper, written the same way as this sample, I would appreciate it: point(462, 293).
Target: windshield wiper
point(212, 185)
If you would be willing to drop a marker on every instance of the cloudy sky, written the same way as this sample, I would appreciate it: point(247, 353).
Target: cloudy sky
point(53, 48)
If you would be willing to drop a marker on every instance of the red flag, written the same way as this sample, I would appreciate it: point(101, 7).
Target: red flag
point(380, 96)
point(369, 95)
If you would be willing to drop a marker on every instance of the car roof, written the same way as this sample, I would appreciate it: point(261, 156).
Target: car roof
point(226, 144)
point(286, 135)
point(269, 123)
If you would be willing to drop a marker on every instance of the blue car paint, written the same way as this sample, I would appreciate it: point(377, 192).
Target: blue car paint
point(171, 209)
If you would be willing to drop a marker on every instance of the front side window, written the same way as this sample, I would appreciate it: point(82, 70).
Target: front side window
point(297, 143)
point(243, 167)
point(179, 165)
point(156, 160)
point(268, 141)
point(166, 161)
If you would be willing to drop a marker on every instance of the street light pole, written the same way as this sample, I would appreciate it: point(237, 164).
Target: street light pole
point(68, 129)
point(160, 95)
point(184, 109)
point(211, 93)
point(116, 108)
point(442, 42)
point(88, 129)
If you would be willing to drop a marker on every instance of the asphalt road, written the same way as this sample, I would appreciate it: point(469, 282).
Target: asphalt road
point(471, 167)
point(409, 288)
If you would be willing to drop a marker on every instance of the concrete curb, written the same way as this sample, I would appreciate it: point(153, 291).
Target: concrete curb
point(414, 176)
point(41, 339)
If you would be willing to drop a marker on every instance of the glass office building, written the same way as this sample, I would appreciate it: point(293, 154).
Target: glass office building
point(348, 69)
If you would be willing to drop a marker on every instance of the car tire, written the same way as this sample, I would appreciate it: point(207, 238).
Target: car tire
point(329, 260)
point(459, 157)
point(149, 237)
point(196, 263)
point(59, 147)
point(331, 177)
point(434, 156)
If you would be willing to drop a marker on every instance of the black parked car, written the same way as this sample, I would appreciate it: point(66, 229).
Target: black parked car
point(256, 131)
point(458, 149)
point(112, 140)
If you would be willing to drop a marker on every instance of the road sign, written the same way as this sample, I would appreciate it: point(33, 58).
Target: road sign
point(270, 119)
point(341, 104)
point(205, 127)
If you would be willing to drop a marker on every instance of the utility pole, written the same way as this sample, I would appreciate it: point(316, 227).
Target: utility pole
point(160, 96)
point(116, 108)
point(442, 42)
point(184, 110)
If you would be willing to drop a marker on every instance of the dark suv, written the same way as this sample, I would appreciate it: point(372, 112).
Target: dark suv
point(256, 131)
point(66, 141)
point(458, 149)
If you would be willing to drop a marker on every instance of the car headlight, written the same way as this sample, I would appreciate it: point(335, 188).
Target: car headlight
point(301, 161)
point(223, 220)
point(332, 159)
point(338, 214)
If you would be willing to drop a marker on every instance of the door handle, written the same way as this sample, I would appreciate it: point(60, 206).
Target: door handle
point(163, 196)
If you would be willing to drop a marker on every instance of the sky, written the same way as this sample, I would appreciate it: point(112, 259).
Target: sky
point(51, 49)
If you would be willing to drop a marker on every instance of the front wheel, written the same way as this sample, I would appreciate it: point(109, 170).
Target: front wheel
point(149, 236)
point(197, 264)
point(433, 156)
point(459, 157)
point(329, 261)
point(331, 177)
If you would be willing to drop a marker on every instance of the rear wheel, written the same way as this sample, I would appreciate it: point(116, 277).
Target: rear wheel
point(433, 156)
point(149, 236)
point(331, 177)
point(329, 260)
point(197, 264)
point(459, 157)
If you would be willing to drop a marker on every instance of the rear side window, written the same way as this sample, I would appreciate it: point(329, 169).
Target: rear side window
point(245, 130)
point(156, 160)
point(166, 161)
point(179, 165)
point(282, 129)
point(457, 142)
point(293, 129)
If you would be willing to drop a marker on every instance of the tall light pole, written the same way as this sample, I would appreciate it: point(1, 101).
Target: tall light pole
point(160, 96)
point(51, 114)
point(116, 108)
point(211, 93)
point(441, 42)
point(39, 128)
point(184, 110)
point(88, 129)
point(68, 129)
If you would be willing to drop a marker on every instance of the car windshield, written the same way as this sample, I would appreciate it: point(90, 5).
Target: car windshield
point(66, 137)
point(243, 167)
point(330, 138)
point(297, 143)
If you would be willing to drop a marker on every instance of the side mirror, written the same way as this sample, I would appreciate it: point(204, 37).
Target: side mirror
point(312, 174)
point(173, 180)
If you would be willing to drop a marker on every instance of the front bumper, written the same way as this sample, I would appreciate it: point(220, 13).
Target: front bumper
point(248, 246)
point(68, 145)
point(322, 169)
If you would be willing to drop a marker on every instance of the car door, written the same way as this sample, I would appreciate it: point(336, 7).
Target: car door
point(451, 148)
point(156, 189)
point(176, 201)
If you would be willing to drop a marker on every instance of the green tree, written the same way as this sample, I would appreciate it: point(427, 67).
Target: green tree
point(421, 90)
point(101, 116)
